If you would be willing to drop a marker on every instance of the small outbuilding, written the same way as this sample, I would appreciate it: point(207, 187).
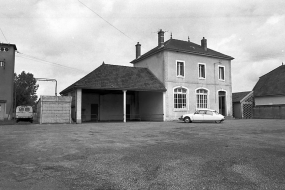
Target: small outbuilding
point(54, 109)
point(243, 105)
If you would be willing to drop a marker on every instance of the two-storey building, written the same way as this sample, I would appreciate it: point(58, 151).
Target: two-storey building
point(195, 76)
point(7, 65)
point(174, 78)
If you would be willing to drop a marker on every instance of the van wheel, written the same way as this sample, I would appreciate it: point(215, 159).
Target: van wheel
point(187, 120)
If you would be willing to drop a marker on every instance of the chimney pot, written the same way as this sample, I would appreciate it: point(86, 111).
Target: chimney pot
point(204, 44)
point(160, 37)
point(138, 50)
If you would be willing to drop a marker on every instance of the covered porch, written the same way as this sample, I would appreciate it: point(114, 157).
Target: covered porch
point(92, 105)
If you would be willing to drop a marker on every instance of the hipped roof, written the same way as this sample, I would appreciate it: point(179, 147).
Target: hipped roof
point(183, 46)
point(115, 77)
point(271, 84)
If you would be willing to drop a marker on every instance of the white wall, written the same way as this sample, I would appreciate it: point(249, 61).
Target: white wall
point(270, 100)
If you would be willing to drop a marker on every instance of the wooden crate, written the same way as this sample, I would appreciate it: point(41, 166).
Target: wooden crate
point(54, 109)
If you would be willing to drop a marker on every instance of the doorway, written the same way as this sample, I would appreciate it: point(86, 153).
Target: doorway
point(128, 112)
point(2, 111)
point(94, 112)
point(222, 103)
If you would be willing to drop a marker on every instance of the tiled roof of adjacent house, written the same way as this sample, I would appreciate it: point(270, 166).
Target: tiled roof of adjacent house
point(183, 46)
point(271, 84)
point(238, 96)
point(115, 77)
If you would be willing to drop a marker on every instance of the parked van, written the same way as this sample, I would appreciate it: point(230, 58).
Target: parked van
point(24, 113)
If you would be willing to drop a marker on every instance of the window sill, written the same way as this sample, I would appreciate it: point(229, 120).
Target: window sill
point(202, 78)
point(180, 76)
point(180, 110)
point(222, 80)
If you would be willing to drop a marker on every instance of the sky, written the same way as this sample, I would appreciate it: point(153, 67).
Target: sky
point(67, 39)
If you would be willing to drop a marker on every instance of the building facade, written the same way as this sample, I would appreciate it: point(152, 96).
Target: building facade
point(195, 76)
point(7, 65)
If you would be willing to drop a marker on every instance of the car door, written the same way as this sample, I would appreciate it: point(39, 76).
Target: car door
point(209, 116)
point(198, 115)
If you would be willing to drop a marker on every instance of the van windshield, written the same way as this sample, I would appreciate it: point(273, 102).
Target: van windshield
point(21, 109)
point(27, 109)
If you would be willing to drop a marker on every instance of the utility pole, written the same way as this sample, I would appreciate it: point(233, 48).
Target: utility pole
point(46, 79)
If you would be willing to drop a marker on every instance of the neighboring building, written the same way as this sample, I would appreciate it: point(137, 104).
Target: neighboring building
point(195, 76)
point(7, 65)
point(242, 105)
point(174, 78)
point(269, 94)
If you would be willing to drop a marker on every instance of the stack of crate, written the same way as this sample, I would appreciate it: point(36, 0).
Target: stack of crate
point(54, 109)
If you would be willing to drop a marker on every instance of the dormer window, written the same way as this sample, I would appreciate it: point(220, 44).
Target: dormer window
point(180, 68)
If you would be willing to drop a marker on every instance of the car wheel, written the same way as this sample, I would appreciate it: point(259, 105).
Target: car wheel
point(187, 120)
point(219, 121)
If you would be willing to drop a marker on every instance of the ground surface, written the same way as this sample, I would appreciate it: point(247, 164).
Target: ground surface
point(237, 154)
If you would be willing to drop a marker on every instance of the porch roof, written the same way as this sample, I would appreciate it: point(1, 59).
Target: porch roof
point(115, 77)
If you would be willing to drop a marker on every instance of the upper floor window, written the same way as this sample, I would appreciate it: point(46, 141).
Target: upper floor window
point(221, 72)
point(202, 98)
point(180, 68)
point(202, 70)
point(2, 64)
point(180, 98)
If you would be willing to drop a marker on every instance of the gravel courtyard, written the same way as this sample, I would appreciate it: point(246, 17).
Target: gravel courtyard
point(237, 154)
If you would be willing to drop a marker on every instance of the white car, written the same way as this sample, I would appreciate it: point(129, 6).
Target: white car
point(203, 115)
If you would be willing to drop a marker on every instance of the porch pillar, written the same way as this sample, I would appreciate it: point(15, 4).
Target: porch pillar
point(125, 104)
point(164, 106)
point(78, 105)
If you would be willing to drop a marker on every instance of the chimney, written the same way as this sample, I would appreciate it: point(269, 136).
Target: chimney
point(204, 44)
point(138, 50)
point(160, 38)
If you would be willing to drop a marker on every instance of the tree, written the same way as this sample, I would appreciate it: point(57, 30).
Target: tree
point(25, 89)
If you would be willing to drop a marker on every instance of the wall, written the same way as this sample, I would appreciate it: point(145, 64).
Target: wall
point(192, 82)
point(269, 100)
point(269, 112)
point(151, 106)
point(7, 79)
point(54, 109)
point(155, 64)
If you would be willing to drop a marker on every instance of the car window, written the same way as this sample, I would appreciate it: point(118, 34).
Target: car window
point(21, 109)
point(201, 112)
point(209, 112)
point(27, 109)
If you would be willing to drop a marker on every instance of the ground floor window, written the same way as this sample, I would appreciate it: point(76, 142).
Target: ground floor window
point(202, 98)
point(180, 98)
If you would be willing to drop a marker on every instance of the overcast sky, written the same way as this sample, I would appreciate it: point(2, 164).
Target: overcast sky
point(68, 33)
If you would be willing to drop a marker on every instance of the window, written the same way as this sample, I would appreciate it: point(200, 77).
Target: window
point(2, 64)
point(221, 72)
point(202, 71)
point(202, 98)
point(180, 68)
point(180, 98)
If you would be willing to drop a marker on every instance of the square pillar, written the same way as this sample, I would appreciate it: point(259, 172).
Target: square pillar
point(125, 105)
point(78, 105)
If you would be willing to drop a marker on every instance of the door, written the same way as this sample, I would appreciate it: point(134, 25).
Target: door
point(128, 112)
point(222, 103)
point(94, 112)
